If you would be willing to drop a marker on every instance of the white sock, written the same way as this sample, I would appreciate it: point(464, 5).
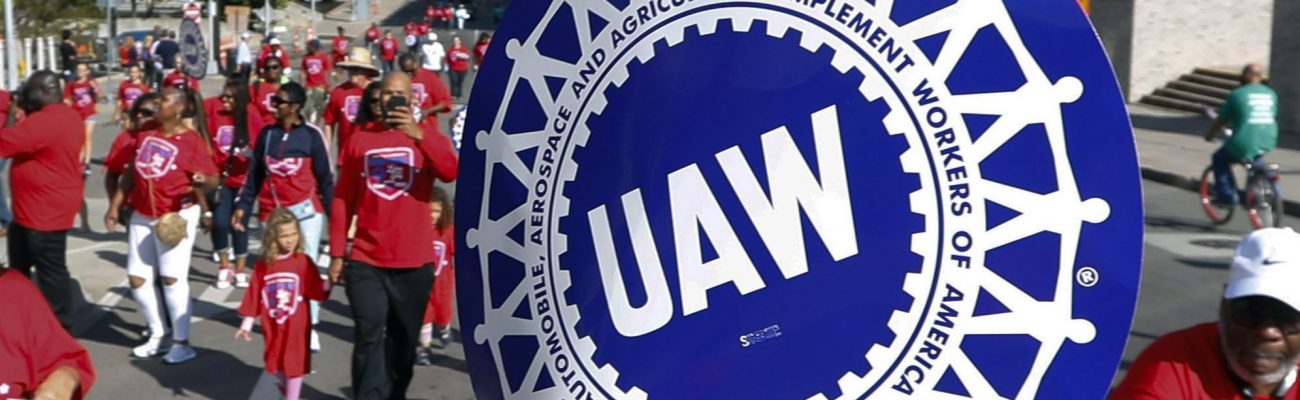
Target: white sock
point(178, 302)
point(426, 335)
point(315, 312)
point(147, 297)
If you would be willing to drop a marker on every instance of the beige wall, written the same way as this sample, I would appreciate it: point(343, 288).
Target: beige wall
point(1170, 37)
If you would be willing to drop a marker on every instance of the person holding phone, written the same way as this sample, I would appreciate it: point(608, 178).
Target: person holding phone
point(290, 168)
point(386, 183)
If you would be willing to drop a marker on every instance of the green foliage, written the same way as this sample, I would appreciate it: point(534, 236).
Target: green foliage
point(36, 18)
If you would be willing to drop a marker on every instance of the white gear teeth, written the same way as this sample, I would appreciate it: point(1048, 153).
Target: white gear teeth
point(778, 30)
point(742, 23)
point(914, 283)
point(842, 62)
point(897, 123)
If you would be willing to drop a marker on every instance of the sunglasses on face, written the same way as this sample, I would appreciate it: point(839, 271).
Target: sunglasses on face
point(227, 97)
point(276, 101)
point(273, 67)
point(1254, 312)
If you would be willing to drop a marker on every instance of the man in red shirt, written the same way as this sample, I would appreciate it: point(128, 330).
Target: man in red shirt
point(264, 89)
point(386, 176)
point(47, 188)
point(427, 90)
point(316, 72)
point(40, 359)
point(272, 50)
point(340, 46)
point(372, 37)
point(345, 100)
point(1251, 352)
point(388, 52)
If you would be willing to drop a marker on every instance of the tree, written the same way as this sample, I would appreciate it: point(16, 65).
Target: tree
point(36, 18)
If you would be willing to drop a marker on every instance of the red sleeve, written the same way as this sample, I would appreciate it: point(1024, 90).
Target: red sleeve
point(1153, 376)
point(251, 306)
point(201, 159)
point(332, 109)
point(119, 154)
point(345, 193)
point(48, 346)
point(313, 285)
point(23, 138)
point(440, 93)
point(439, 155)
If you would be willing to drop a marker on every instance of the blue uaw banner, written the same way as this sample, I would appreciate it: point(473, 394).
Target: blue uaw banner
point(797, 199)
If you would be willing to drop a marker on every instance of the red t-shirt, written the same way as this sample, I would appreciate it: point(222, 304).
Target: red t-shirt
point(165, 166)
point(82, 94)
point(480, 51)
point(222, 125)
point(372, 34)
point(1186, 364)
point(5, 99)
point(178, 78)
point(33, 344)
point(388, 49)
point(316, 67)
point(458, 58)
point(430, 12)
point(344, 104)
point(260, 94)
point(386, 181)
point(438, 311)
point(278, 295)
point(46, 173)
point(340, 48)
point(128, 91)
point(429, 90)
point(269, 51)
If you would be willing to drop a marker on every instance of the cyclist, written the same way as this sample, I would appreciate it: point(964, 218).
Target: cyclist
point(1251, 112)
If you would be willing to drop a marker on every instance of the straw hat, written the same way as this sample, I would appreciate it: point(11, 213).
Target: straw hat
point(358, 58)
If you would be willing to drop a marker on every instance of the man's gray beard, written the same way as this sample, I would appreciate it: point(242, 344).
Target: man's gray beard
point(1270, 378)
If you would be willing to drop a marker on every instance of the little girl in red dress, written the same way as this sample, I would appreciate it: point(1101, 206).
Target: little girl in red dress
point(437, 315)
point(284, 279)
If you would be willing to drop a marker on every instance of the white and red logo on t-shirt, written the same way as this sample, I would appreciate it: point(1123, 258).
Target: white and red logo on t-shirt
point(420, 93)
point(285, 166)
point(266, 102)
point(155, 157)
point(314, 66)
point(351, 106)
point(85, 96)
point(390, 171)
point(439, 254)
point(130, 94)
point(225, 136)
point(281, 295)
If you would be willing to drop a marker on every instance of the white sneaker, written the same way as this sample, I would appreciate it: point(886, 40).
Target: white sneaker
point(315, 342)
point(241, 280)
point(224, 276)
point(179, 353)
point(149, 348)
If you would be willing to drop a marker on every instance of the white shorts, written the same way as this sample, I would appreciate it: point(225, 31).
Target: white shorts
point(146, 255)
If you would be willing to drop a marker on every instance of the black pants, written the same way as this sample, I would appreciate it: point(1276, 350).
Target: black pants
point(47, 254)
point(387, 309)
point(457, 81)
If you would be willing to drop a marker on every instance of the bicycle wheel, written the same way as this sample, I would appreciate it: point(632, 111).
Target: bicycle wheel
point(1218, 213)
point(1263, 203)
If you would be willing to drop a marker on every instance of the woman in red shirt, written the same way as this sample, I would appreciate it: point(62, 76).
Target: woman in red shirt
point(130, 90)
point(82, 94)
point(388, 52)
point(458, 58)
point(481, 48)
point(235, 125)
point(172, 170)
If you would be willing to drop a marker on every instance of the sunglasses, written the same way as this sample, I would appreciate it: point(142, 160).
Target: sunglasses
point(271, 67)
point(1253, 312)
point(276, 101)
point(227, 97)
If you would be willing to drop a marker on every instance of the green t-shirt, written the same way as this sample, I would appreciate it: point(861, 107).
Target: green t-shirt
point(1251, 112)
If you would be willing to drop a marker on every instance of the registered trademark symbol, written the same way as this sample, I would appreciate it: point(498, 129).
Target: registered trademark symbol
point(1087, 277)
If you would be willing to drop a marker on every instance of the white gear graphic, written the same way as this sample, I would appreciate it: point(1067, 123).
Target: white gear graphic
point(1038, 101)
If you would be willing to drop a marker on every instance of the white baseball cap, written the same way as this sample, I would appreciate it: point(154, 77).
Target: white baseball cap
point(275, 40)
point(1267, 263)
point(245, 35)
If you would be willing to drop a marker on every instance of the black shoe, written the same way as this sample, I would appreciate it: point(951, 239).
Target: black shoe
point(423, 356)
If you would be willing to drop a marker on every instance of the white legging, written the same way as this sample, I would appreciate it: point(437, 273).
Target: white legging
point(146, 256)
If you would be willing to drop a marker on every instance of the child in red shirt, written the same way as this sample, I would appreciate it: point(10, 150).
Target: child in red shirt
point(82, 94)
point(388, 52)
point(283, 280)
point(437, 316)
point(130, 90)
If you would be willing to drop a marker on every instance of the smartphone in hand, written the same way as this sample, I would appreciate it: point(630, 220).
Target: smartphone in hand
point(392, 104)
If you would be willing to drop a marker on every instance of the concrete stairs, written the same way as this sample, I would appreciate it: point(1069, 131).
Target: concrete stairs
point(1204, 86)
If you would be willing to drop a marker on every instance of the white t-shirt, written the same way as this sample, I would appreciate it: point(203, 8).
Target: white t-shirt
point(433, 53)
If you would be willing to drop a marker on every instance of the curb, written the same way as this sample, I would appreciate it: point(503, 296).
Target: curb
point(1289, 207)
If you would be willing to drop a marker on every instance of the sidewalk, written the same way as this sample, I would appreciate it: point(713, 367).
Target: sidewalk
point(1171, 151)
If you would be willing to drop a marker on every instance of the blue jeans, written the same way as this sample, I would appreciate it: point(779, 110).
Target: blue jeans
point(6, 216)
point(310, 230)
point(222, 233)
point(1225, 185)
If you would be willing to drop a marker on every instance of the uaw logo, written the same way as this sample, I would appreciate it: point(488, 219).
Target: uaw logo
point(85, 96)
point(281, 294)
point(803, 199)
point(419, 92)
point(130, 94)
point(314, 66)
point(225, 137)
point(288, 166)
point(155, 157)
point(351, 106)
point(390, 171)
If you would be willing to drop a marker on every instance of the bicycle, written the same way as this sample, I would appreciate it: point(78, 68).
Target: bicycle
point(1262, 194)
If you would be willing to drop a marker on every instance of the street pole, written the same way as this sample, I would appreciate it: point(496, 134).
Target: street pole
point(313, 17)
point(111, 48)
point(11, 46)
